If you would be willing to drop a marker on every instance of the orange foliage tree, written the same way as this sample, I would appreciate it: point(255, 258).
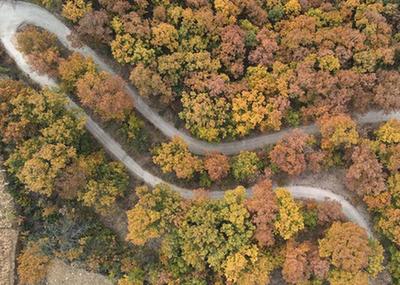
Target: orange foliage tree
point(105, 94)
point(41, 49)
point(217, 166)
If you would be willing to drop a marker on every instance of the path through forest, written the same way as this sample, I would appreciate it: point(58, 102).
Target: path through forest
point(12, 16)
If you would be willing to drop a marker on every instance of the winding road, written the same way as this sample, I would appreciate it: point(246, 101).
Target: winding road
point(12, 15)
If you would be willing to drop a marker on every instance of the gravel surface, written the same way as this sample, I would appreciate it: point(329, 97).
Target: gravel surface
point(63, 274)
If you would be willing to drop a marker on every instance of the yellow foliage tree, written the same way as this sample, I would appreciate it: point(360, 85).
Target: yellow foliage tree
point(32, 264)
point(389, 132)
point(176, 157)
point(152, 216)
point(289, 220)
point(72, 69)
point(74, 10)
point(338, 131)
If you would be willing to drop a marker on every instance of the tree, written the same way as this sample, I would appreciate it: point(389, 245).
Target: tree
point(205, 116)
point(263, 206)
point(289, 153)
point(165, 35)
point(107, 182)
point(245, 165)
point(217, 234)
point(95, 26)
point(301, 262)
point(154, 214)
point(105, 94)
point(232, 50)
point(389, 132)
point(365, 176)
point(13, 129)
point(341, 277)
point(289, 220)
point(32, 264)
point(263, 54)
point(176, 157)
point(41, 49)
point(329, 211)
point(150, 83)
point(387, 91)
point(347, 247)
point(217, 166)
point(74, 10)
point(40, 171)
point(73, 68)
point(389, 224)
point(338, 131)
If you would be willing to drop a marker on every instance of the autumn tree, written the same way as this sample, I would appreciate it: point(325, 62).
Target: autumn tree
point(106, 182)
point(73, 68)
point(32, 264)
point(302, 262)
point(74, 10)
point(389, 132)
point(329, 211)
point(365, 176)
point(232, 50)
point(95, 26)
point(289, 220)
point(150, 83)
point(350, 252)
point(41, 49)
point(105, 94)
point(245, 165)
point(154, 213)
point(338, 131)
point(13, 128)
point(289, 154)
point(176, 157)
point(387, 91)
point(389, 224)
point(206, 116)
point(263, 54)
point(217, 166)
point(213, 234)
point(41, 164)
point(263, 206)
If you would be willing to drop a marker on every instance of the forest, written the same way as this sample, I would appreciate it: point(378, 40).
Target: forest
point(218, 71)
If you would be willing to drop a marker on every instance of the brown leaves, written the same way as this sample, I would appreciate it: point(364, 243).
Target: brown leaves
point(232, 50)
point(264, 207)
point(346, 244)
point(217, 166)
point(105, 94)
point(289, 153)
point(365, 176)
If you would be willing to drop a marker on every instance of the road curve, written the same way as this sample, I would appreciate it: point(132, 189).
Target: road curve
point(24, 12)
point(15, 13)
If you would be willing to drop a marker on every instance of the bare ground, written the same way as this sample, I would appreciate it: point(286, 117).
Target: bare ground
point(63, 274)
point(8, 233)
